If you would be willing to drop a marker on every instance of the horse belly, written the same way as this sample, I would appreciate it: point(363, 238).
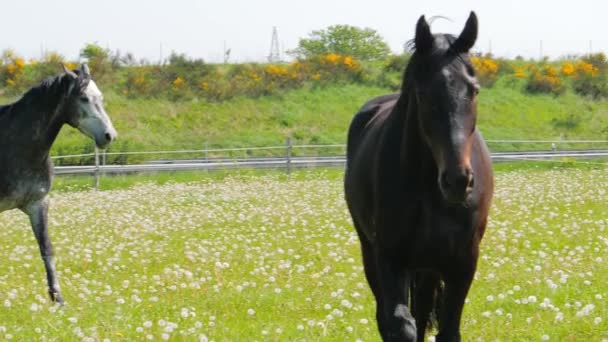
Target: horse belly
point(23, 192)
point(7, 204)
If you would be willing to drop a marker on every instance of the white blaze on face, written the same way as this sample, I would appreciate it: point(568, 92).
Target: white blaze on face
point(93, 120)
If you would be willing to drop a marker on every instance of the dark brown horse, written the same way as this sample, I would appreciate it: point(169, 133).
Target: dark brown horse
point(419, 185)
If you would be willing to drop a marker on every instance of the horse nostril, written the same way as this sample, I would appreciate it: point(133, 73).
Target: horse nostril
point(471, 181)
point(108, 137)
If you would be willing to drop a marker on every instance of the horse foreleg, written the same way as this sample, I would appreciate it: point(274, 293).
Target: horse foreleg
point(38, 214)
point(423, 300)
point(457, 284)
point(394, 318)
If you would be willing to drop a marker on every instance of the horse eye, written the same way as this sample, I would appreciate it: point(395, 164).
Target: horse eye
point(84, 99)
point(475, 90)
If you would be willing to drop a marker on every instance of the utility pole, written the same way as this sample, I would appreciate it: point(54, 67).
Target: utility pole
point(160, 58)
point(226, 53)
point(275, 53)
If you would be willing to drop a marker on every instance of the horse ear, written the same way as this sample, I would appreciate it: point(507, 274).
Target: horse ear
point(84, 69)
point(467, 38)
point(424, 38)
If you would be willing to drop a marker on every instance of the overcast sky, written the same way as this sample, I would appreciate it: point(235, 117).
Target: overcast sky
point(200, 27)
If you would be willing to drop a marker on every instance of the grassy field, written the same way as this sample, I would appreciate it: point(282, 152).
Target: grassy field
point(321, 116)
point(208, 257)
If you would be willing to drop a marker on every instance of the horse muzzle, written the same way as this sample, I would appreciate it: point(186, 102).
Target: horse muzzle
point(456, 185)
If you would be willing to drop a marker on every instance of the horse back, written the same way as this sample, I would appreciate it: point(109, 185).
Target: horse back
point(370, 112)
point(363, 146)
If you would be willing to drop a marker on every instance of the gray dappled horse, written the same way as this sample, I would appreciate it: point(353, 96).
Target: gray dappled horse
point(28, 129)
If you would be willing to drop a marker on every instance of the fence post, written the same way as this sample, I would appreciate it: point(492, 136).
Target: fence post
point(206, 156)
point(288, 164)
point(96, 173)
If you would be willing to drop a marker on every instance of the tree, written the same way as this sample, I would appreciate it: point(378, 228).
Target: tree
point(363, 44)
point(98, 59)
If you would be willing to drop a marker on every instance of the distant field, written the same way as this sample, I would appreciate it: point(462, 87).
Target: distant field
point(275, 258)
point(322, 116)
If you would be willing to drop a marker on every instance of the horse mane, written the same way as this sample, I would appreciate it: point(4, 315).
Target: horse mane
point(50, 87)
point(48, 92)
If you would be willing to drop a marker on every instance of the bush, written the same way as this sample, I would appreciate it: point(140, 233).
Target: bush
point(588, 76)
point(487, 70)
point(391, 75)
point(332, 68)
point(544, 79)
point(12, 70)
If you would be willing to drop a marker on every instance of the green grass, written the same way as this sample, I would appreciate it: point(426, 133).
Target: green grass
point(506, 112)
point(245, 256)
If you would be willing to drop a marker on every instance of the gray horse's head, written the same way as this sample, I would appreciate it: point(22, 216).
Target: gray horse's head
point(84, 108)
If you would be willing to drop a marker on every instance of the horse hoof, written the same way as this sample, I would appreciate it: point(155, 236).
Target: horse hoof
point(56, 298)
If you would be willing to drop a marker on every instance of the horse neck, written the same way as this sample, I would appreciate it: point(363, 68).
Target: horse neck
point(41, 116)
point(415, 156)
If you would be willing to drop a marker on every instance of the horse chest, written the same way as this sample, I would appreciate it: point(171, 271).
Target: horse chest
point(428, 238)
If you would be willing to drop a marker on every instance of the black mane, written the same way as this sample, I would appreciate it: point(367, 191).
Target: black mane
point(48, 93)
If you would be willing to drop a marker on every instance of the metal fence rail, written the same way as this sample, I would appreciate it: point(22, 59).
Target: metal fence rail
point(291, 156)
point(295, 162)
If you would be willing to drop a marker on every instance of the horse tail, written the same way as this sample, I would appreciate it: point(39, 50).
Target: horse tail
point(426, 292)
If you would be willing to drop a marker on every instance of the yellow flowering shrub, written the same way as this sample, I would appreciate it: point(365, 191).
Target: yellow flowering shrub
point(545, 79)
point(178, 83)
point(137, 82)
point(584, 68)
point(486, 70)
point(331, 68)
point(568, 69)
point(12, 72)
point(520, 73)
point(589, 78)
